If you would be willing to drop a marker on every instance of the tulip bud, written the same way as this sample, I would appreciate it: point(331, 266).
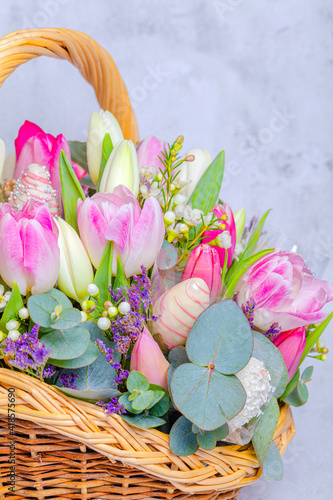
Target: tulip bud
point(291, 345)
point(239, 217)
point(148, 359)
point(101, 123)
point(150, 151)
point(75, 273)
point(204, 262)
point(121, 169)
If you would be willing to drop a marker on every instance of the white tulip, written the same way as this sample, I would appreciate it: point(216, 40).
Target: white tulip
point(193, 170)
point(75, 272)
point(101, 123)
point(121, 168)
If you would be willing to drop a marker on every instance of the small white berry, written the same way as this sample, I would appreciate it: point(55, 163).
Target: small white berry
point(112, 311)
point(92, 289)
point(13, 335)
point(23, 313)
point(124, 308)
point(12, 325)
point(103, 323)
point(84, 316)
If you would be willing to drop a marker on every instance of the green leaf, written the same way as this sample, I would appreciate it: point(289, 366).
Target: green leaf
point(124, 400)
point(307, 374)
point(221, 432)
point(60, 297)
point(103, 276)
point(239, 270)
point(182, 440)
point(264, 432)
point(79, 153)
point(314, 336)
point(97, 380)
point(143, 400)
point(291, 386)
point(71, 191)
point(90, 395)
point(137, 382)
point(303, 391)
point(273, 466)
point(158, 395)
point(161, 407)
point(121, 280)
point(178, 356)
point(227, 342)
point(68, 319)
point(67, 344)
point(195, 429)
point(41, 306)
point(206, 439)
point(254, 238)
point(205, 396)
point(143, 421)
point(106, 152)
point(88, 357)
point(206, 192)
point(265, 351)
point(14, 304)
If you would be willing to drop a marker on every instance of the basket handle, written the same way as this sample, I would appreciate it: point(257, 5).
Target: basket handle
point(93, 61)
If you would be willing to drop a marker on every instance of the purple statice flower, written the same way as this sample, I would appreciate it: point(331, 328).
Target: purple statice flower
point(108, 353)
point(28, 352)
point(113, 406)
point(68, 380)
point(126, 328)
point(248, 310)
point(273, 330)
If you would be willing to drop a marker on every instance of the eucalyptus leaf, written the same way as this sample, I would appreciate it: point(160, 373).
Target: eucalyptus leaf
point(143, 400)
point(206, 397)
point(88, 357)
point(143, 421)
point(221, 432)
point(60, 297)
point(303, 391)
point(307, 374)
point(14, 304)
point(222, 337)
point(291, 386)
point(206, 439)
point(41, 306)
point(67, 344)
point(195, 429)
point(137, 382)
point(264, 432)
point(265, 351)
point(158, 395)
point(182, 440)
point(68, 319)
point(90, 395)
point(127, 404)
point(178, 356)
point(273, 466)
point(206, 192)
point(298, 397)
point(161, 407)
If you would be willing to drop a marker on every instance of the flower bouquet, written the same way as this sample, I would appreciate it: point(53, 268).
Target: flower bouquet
point(130, 289)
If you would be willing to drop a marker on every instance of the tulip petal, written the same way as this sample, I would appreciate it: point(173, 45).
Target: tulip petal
point(27, 130)
point(11, 254)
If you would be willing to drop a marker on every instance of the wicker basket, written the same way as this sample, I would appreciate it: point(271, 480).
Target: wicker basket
point(63, 448)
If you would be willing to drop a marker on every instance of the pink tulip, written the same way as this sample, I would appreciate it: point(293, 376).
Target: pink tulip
point(138, 234)
point(34, 146)
point(284, 292)
point(291, 345)
point(148, 152)
point(228, 233)
point(204, 262)
point(29, 252)
point(148, 359)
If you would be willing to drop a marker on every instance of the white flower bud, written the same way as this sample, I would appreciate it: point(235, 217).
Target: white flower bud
point(224, 239)
point(13, 335)
point(93, 290)
point(112, 311)
point(7, 295)
point(104, 323)
point(124, 308)
point(169, 218)
point(12, 325)
point(23, 313)
point(179, 199)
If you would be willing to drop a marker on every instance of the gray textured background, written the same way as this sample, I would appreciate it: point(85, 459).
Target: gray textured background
point(254, 78)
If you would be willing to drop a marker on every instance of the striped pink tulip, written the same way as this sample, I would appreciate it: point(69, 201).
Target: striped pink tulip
point(149, 151)
point(227, 232)
point(204, 262)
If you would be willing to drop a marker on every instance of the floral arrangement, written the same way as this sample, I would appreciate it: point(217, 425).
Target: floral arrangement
point(128, 283)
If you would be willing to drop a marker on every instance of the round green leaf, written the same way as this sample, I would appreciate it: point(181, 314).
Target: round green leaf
point(124, 400)
point(137, 382)
point(205, 396)
point(307, 374)
point(67, 344)
point(158, 395)
point(143, 400)
point(222, 337)
point(143, 421)
point(182, 441)
point(69, 318)
point(221, 432)
point(178, 356)
point(41, 306)
point(206, 439)
point(161, 407)
point(90, 395)
point(303, 391)
point(265, 351)
point(60, 297)
point(88, 357)
point(273, 466)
